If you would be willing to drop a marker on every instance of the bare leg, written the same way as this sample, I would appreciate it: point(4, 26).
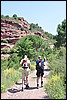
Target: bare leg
point(27, 84)
point(22, 83)
point(27, 80)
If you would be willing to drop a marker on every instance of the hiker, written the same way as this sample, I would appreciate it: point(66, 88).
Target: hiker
point(40, 70)
point(25, 63)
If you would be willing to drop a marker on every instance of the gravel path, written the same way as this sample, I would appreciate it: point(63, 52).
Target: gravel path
point(32, 93)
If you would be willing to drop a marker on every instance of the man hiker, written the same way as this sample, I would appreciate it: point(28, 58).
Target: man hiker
point(40, 70)
point(25, 63)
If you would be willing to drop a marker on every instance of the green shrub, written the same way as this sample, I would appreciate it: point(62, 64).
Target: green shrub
point(55, 88)
point(5, 51)
point(3, 89)
point(17, 75)
point(13, 61)
point(9, 77)
point(9, 72)
point(20, 69)
point(32, 67)
point(22, 28)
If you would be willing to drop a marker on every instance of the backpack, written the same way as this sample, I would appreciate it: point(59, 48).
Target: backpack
point(40, 65)
point(24, 63)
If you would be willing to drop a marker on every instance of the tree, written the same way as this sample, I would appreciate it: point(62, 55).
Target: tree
point(2, 16)
point(7, 16)
point(35, 27)
point(30, 45)
point(15, 16)
point(61, 37)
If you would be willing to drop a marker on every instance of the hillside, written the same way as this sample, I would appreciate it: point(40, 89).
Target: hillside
point(14, 28)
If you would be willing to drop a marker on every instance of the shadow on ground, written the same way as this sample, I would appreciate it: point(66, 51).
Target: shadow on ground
point(30, 88)
point(46, 97)
point(18, 83)
point(13, 90)
point(48, 69)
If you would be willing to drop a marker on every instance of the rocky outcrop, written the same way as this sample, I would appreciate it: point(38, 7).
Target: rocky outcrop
point(5, 23)
point(5, 45)
point(12, 31)
point(22, 23)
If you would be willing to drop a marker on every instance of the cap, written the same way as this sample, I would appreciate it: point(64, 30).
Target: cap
point(25, 56)
point(39, 56)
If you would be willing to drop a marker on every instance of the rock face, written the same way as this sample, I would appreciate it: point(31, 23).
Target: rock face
point(12, 31)
point(6, 23)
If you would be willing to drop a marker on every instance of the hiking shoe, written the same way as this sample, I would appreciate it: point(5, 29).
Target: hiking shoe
point(27, 86)
point(37, 86)
point(22, 88)
point(41, 83)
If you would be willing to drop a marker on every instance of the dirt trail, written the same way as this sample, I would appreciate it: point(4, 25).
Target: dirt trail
point(31, 93)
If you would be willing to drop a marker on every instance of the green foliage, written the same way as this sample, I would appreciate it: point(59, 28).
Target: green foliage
point(14, 16)
point(9, 72)
point(7, 16)
point(5, 51)
point(55, 88)
point(57, 62)
point(49, 35)
point(3, 89)
point(4, 64)
point(2, 16)
point(22, 29)
point(32, 67)
point(61, 37)
point(13, 61)
point(9, 77)
point(32, 45)
point(29, 45)
point(35, 27)
point(20, 69)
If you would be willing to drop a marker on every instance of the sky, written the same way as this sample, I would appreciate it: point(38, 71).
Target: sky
point(47, 14)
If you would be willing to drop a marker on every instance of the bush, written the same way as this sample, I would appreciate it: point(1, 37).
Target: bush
point(22, 29)
point(55, 88)
point(9, 72)
point(20, 69)
point(5, 51)
point(32, 67)
point(14, 16)
point(9, 77)
point(3, 89)
point(4, 64)
point(13, 61)
point(7, 16)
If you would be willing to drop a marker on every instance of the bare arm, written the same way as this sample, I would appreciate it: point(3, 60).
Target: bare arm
point(21, 62)
point(29, 64)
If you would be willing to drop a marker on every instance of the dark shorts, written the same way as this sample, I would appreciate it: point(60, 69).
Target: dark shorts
point(40, 73)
